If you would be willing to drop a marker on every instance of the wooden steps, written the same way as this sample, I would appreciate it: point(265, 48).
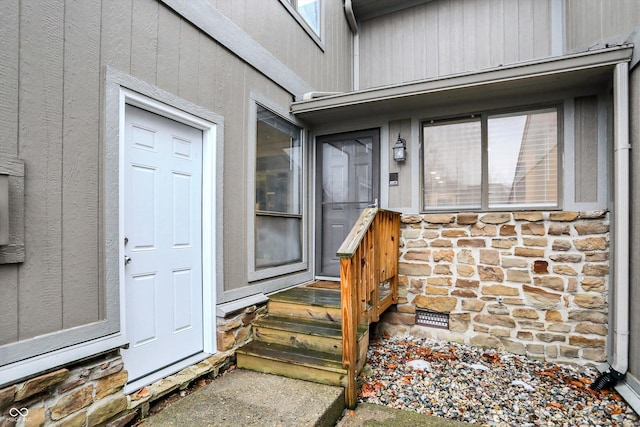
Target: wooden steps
point(301, 337)
point(307, 303)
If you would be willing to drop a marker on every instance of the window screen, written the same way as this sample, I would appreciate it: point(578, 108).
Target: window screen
point(519, 168)
point(452, 165)
point(278, 191)
point(523, 159)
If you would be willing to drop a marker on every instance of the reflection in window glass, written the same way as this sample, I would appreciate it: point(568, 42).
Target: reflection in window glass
point(523, 159)
point(452, 165)
point(310, 12)
point(277, 241)
point(278, 191)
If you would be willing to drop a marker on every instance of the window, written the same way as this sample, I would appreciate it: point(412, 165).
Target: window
point(310, 12)
point(492, 162)
point(278, 186)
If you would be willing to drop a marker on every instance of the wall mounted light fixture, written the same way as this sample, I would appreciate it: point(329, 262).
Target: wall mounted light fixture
point(400, 150)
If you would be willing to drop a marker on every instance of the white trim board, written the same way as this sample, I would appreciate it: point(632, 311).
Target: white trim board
point(129, 97)
point(122, 89)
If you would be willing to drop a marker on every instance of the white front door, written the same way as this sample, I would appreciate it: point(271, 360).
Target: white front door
point(163, 241)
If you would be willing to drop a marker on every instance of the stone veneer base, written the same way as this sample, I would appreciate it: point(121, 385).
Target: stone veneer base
point(533, 283)
point(91, 392)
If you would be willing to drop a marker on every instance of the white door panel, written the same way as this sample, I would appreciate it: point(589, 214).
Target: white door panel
point(163, 230)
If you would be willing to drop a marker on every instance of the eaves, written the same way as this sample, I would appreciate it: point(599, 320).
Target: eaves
point(520, 79)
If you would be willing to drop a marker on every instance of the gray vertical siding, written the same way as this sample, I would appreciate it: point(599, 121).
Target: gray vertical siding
point(586, 149)
point(327, 69)
point(80, 144)
point(448, 37)
point(590, 21)
point(400, 196)
point(40, 132)
point(52, 58)
point(9, 25)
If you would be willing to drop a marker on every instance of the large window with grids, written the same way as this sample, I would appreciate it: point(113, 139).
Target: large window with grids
point(492, 161)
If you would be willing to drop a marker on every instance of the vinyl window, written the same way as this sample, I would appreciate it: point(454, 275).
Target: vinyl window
point(492, 162)
point(278, 191)
point(309, 10)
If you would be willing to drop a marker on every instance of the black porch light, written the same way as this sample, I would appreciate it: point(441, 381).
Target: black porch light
point(400, 150)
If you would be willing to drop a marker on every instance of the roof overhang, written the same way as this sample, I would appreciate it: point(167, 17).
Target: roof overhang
point(550, 75)
point(367, 9)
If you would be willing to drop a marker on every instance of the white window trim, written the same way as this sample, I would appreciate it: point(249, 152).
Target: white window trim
point(317, 38)
point(271, 272)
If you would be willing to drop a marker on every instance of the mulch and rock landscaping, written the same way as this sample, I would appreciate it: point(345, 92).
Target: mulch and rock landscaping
point(485, 386)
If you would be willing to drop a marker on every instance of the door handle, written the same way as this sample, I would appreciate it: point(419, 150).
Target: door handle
point(127, 259)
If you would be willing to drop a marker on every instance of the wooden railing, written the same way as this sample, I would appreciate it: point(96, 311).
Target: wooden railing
point(368, 281)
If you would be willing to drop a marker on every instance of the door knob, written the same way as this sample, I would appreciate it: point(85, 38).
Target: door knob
point(127, 259)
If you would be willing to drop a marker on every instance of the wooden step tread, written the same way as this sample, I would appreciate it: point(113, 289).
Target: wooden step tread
point(309, 296)
point(305, 326)
point(295, 356)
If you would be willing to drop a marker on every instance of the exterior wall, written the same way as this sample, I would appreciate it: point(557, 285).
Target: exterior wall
point(54, 55)
point(52, 86)
point(91, 393)
point(88, 393)
point(448, 37)
point(532, 283)
point(326, 67)
point(592, 21)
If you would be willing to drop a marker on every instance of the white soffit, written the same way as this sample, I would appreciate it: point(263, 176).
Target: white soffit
point(548, 75)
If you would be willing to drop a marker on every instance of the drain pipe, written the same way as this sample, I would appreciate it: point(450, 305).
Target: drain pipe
point(620, 357)
point(351, 16)
point(353, 24)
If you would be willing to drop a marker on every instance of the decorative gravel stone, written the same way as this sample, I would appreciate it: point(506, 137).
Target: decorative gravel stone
point(486, 387)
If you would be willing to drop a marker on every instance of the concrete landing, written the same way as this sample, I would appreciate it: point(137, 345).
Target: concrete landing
point(247, 398)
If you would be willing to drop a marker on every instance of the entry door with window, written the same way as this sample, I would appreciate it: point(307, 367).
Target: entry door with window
point(163, 241)
point(348, 173)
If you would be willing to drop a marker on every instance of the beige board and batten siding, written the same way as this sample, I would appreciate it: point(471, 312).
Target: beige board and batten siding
point(590, 22)
point(53, 59)
point(440, 38)
point(325, 66)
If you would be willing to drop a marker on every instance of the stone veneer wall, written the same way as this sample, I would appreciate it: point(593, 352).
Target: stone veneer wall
point(91, 392)
point(533, 283)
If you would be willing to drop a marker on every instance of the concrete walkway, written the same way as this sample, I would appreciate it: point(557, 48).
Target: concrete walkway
point(247, 398)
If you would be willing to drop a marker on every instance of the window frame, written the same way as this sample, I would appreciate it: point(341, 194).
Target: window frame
point(254, 273)
point(483, 118)
point(293, 11)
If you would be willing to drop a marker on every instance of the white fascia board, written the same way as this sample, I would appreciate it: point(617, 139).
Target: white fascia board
point(547, 67)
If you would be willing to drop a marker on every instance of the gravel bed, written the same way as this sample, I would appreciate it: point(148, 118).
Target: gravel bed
point(486, 387)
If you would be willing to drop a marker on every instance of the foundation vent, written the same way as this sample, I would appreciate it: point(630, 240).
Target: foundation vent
point(429, 318)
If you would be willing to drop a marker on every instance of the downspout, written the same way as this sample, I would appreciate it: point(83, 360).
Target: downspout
point(620, 357)
point(353, 24)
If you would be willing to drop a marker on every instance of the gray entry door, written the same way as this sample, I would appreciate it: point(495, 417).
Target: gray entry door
point(348, 173)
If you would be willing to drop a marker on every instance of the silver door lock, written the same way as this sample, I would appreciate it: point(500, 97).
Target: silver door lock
point(127, 259)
